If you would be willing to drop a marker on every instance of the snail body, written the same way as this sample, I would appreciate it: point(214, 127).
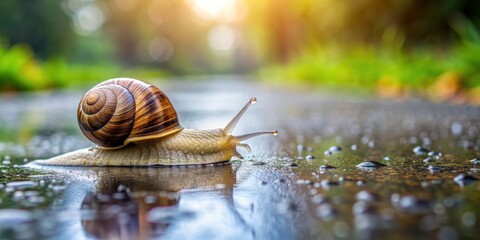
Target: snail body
point(133, 123)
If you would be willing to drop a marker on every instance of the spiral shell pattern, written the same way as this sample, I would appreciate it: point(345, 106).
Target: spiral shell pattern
point(123, 110)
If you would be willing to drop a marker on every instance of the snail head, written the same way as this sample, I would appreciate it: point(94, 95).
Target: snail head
point(238, 139)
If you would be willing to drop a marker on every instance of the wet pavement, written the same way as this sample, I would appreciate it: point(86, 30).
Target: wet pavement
point(341, 168)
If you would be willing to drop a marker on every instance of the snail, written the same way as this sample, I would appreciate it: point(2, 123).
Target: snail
point(133, 123)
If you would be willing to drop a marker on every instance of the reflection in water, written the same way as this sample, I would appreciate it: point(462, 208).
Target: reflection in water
point(141, 203)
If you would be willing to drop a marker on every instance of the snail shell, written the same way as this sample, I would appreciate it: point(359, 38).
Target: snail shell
point(123, 110)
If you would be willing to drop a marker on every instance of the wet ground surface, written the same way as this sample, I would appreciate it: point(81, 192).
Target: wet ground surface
point(341, 168)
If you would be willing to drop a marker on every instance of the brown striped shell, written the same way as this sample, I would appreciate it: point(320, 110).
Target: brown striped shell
point(123, 110)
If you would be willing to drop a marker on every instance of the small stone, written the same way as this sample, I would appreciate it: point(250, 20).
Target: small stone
point(309, 157)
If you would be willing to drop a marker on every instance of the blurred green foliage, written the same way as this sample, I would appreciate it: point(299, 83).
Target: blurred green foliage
point(393, 47)
point(20, 70)
point(42, 25)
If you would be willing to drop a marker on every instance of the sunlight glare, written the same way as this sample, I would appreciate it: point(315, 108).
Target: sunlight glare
point(222, 38)
point(214, 9)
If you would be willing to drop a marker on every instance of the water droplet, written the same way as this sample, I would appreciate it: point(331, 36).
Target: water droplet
point(319, 199)
point(363, 207)
point(433, 169)
point(327, 153)
point(365, 195)
point(464, 179)
point(361, 183)
point(275, 132)
point(11, 217)
point(258, 163)
point(286, 206)
point(354, 147)
point(469, 219)
point(456, 128)
point(326, 167)
point(435, 155)
point(420, 151)
point(326, 183)
point(447, 233)
point(475, 161)
point(414, 204)
point(253, 100)
point(21, 184)
point(293, 165)
point(428, 159)
point(341, 229)
point(370, 164)
point(310, 157)
point(387, 158)
point(335, 149)
point(162, 215)
point(325, 211)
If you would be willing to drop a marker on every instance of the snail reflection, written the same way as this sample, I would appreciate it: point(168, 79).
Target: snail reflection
point(140, 203)
point(134, 123)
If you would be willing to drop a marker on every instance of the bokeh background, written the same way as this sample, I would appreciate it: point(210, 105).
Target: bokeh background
point(391, 48)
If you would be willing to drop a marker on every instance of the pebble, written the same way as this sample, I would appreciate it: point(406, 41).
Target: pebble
point(309, 157)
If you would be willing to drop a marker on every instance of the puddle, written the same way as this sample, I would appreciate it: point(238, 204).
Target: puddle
point(338, 169)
